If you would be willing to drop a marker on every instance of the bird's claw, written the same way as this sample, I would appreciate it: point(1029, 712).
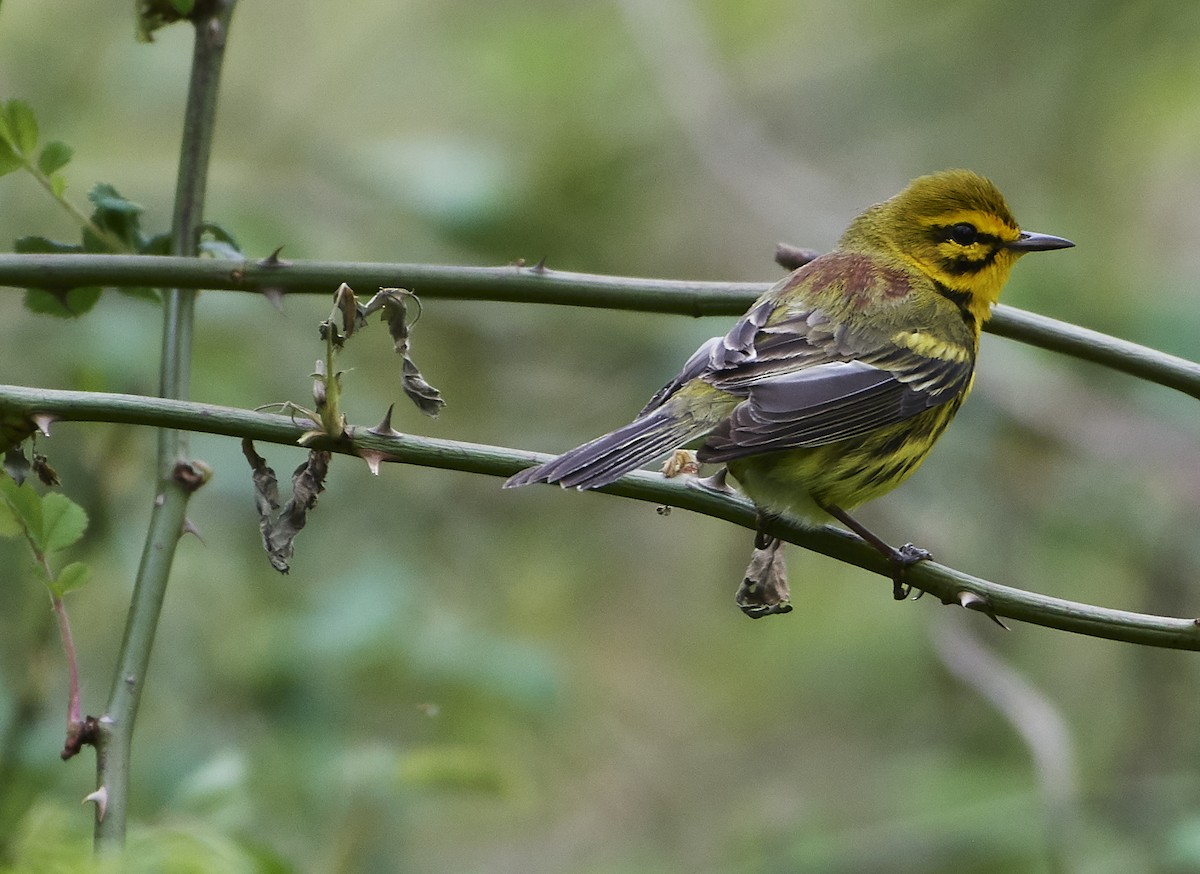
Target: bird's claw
point(902, 559)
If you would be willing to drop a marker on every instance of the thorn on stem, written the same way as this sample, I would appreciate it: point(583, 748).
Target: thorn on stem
point(273, 260)
point(717, 483)
point(978, 603)
point(384, 428)
point(43, 422)
point(372, 457)
point(189, 527)
point(100, 798)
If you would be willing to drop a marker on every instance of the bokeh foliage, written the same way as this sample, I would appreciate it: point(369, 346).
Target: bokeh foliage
point(456, 678)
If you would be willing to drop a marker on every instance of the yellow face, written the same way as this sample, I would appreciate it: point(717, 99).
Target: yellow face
point(966, 250)
point(955, 228)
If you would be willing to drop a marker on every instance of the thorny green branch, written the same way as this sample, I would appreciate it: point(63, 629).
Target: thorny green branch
point(521, 284)
point(177, 478)
point(945, 583)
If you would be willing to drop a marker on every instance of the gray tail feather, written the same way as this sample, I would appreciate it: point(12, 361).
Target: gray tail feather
point(608, 458)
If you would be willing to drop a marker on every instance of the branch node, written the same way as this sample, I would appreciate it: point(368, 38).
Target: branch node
point(793, 257)
point(191, 475)
point(79, 735)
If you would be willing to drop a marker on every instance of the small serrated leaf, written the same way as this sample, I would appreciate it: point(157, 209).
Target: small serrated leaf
point(63, 303)
point(21, 125)
point(63, 522)
point(26, 505)
point(54, 156)
point(73, 576)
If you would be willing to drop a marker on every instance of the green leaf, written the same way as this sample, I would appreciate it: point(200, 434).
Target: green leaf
point(16, 465)
point(63, 522)
point(107, 198)
point(64, 303)
point(10, 526)
point(55, 155)
point(58, 184)
point(44, 246)
point(21, 126)
point(220, 249)
point(116, 215)
point(10, 161)
point(73, 576)
point(26, 506)
point(183, 7)
point(217, 232)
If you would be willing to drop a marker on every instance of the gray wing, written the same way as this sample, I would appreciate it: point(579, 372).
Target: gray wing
point(810, 383)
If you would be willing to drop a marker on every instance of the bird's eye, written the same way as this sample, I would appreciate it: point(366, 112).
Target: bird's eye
point(964, 233)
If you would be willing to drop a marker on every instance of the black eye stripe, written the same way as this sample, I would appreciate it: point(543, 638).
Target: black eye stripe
point(947, 233)
point(962, 266)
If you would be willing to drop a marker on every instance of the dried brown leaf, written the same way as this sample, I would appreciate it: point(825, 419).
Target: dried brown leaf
point(764, 589)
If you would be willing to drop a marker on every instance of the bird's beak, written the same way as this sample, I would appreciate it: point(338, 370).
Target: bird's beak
point(1031, 242)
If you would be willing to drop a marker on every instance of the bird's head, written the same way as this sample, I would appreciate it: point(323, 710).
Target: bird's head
point(954, 227)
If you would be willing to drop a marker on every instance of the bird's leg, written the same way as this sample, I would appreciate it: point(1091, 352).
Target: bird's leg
point(901, 559)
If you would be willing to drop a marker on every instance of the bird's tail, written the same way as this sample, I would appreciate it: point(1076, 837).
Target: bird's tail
point(610, 457)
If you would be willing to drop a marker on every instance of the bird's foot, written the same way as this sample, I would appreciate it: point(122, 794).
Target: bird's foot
point(902, 559)
point(681, 461)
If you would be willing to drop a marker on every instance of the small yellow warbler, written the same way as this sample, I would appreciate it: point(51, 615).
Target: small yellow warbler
point(833, 387)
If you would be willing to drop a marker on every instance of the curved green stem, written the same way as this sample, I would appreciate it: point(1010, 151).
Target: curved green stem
point(945, 583)
point(519, 284)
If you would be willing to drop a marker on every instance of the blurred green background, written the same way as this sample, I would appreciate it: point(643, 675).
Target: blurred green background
point(456, 678)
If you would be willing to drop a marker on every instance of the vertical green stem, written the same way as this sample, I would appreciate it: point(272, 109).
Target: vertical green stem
point(114, 745)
